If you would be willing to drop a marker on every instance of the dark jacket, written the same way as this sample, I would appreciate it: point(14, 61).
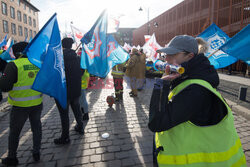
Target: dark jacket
point(195, 103)
point(73, 73)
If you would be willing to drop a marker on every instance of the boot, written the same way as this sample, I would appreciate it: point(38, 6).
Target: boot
point(10, 161)
point(36, 157)
point(85, 116)
point(62, 141)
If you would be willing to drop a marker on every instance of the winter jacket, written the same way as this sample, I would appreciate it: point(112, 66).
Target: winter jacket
point(73, 73)
point(195, 103)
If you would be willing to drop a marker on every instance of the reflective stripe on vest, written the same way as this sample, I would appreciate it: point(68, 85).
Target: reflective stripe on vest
point(189, 145)
point(21, 94)
point(116, 71)
point(25, 98)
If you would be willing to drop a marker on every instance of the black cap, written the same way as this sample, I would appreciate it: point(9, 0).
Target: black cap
point(67, 43)
point(19, 47)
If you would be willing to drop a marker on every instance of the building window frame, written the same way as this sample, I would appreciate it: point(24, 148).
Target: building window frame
point(24, 6)
point(20, 30)
point(25, 18)
point(5, 26)
point(13, 28)
point(12, 12)
point(19, 15)
point(30, 21)
point(4, 8)
point(26, 32)
point(34, 23)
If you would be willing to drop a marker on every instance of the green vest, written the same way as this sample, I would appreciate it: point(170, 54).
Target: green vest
point(21, 94)
point(85, 79)
point(199, 146)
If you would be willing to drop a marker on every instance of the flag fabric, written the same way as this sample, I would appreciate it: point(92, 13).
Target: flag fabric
point(100, 52)
point(238, 46)
point(147, 37)
point(215, 38)
point(126, 47)
point(8, 43)
point(8, 55)
point(45, 51)
point(4, 41)
point(77, 34)
point(151, 47)
point(113, 23)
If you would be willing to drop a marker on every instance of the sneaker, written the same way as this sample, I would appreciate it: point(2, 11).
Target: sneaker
point(85, 116)
point(10, 161)
point(36, 157)
point(61, 141)
point(79, 130)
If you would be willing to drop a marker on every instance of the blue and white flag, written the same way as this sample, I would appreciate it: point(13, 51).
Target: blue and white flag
point(8, 55)
point(215, 38)
point(239, 45)
point(4, 41)
point(45, 51)
point(100, 52)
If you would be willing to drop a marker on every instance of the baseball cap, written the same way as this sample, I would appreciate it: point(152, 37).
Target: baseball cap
point(181, 43)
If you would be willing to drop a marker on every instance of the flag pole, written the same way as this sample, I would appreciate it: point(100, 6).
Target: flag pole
point(213, 53)
point(78, 47)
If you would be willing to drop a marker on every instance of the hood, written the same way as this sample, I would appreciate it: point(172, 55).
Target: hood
point(199, 67)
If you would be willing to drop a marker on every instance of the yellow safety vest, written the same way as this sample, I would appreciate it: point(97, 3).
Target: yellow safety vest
point(21, 94)
point(85, 80)
point(189, 145)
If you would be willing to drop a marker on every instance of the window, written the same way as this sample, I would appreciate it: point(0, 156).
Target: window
point(31, 35)
point(12, 12)
point(34, 33)
point(33, 12)
point(19, 16)
point(30, 21)
point(25, 18)
point(24, 6)
point(13, 28)
point(29, 9)
point(5, 26)
point(12, 0)
point(4, 8)
point(18, 2)
point(25, 32)
point(34, 23)
point(20, 30)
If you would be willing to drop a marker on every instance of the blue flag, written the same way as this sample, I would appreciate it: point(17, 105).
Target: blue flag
point(45, 51)
point(100, 52)
point(8, 54)
point(239, 45)
point(4, 41)
point(216, 38)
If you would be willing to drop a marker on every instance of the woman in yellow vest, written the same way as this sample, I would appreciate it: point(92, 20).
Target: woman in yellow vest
point(17, 80)
point(193, 124)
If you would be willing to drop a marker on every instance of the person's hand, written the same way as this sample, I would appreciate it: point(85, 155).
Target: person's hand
point(168, 76)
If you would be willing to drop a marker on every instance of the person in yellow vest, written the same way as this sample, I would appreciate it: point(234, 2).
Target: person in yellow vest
point(193, 124)
point(117, 73)
point(83, 100)
point(17, 80)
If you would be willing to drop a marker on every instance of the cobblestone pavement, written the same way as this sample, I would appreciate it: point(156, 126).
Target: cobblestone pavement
point(129, 144)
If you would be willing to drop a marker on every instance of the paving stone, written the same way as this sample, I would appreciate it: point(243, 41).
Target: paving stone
point(95, 158)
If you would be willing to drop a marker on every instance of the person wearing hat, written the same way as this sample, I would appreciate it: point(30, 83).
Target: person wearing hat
point(73, 75)
point(132, 69)
point(17, 80)
point(192, 122)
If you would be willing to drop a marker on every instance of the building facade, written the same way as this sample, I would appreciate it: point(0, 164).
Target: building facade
point(194, 16)
point(18, 19)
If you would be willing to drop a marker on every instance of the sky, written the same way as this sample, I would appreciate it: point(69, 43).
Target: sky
point(84, 13)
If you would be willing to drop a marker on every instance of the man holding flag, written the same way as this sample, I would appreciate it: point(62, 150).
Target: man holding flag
point(17, 79)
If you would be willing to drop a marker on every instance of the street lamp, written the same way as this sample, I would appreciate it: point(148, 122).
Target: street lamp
point(148, 24)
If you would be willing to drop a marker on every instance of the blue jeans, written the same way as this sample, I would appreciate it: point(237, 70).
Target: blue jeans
point(83, 101)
